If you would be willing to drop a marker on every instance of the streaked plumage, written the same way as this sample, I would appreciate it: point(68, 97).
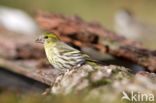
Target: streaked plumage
point(61, 55)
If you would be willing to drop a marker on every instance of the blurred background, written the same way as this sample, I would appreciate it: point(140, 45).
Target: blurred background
point(134, 19)
point(102, 11)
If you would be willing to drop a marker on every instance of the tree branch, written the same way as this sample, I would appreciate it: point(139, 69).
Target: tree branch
point(77, 32)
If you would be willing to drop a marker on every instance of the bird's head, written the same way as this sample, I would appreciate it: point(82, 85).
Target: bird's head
point(47, 38)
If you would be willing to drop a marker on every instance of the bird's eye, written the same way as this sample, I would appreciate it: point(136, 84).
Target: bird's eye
point(46, 37)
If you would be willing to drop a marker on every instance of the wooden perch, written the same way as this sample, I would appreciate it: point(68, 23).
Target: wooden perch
point(25, 57)
point(77, 32)
point(28, 69)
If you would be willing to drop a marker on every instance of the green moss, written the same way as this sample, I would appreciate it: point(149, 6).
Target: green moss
point(114, 71)
point(103, 81)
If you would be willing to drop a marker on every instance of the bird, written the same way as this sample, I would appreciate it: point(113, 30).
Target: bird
point(61, 55)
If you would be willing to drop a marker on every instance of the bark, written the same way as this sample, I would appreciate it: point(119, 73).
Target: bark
point(75, 31)
point(21, 55)
point(25, 57)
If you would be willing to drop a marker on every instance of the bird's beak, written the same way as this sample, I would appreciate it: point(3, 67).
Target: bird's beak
point(39, 40)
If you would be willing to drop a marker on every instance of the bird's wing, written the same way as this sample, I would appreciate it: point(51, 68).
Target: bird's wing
point(66, 49)
point(71, 53)
point(76, 54)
